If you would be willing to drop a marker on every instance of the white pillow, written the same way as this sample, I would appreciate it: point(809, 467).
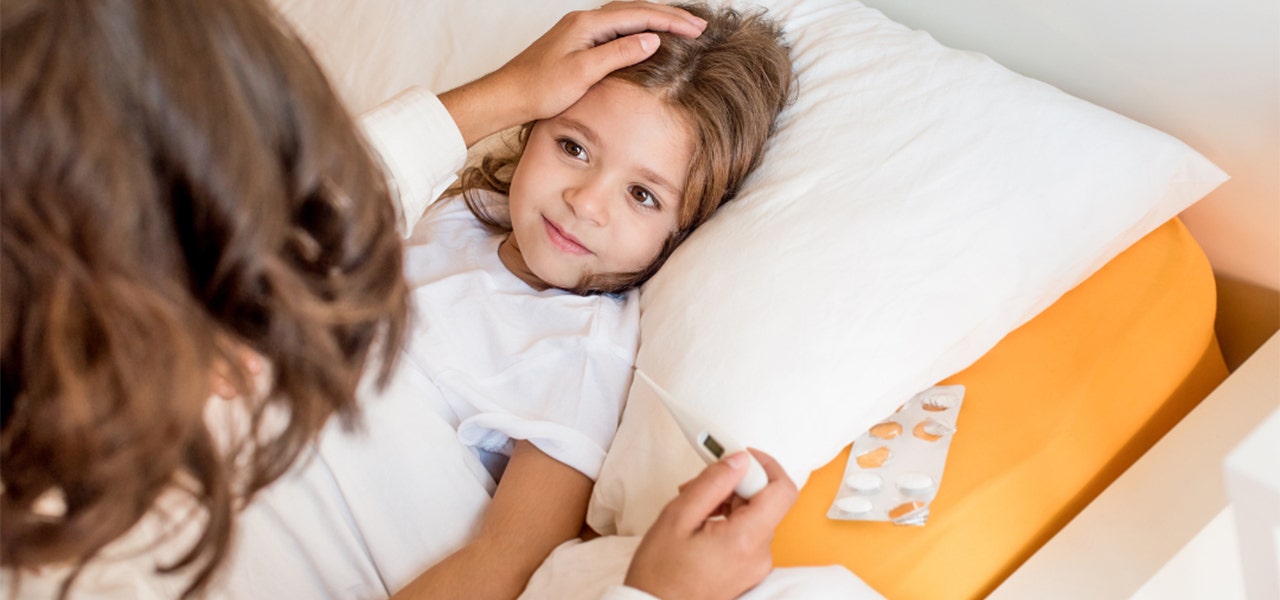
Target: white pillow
point(917, 204)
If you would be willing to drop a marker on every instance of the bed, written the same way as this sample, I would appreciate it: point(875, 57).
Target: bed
point(1103, 374)
point(925, 216)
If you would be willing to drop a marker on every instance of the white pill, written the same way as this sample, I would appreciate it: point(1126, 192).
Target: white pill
point(914, 482)
point(853, 505)
point(863, 483)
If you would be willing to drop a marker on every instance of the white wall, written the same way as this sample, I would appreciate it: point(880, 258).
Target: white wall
point(1205, 71)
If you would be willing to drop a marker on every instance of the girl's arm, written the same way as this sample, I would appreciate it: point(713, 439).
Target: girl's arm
point(540, 503)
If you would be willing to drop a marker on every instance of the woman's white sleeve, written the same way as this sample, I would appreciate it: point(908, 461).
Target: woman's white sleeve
point(421, 148)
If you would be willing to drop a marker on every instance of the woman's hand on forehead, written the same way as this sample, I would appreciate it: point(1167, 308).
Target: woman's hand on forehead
point(559, 67)
point(584, 46)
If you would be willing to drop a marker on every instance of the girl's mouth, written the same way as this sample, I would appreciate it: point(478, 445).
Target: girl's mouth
point(564, 241)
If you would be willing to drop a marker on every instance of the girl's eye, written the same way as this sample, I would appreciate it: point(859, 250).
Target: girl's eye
point(643, 197)
point(573, 149)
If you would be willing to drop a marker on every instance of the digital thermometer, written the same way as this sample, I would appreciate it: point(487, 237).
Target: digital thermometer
point(711, 446)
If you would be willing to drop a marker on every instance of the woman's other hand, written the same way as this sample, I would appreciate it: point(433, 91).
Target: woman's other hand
point(709, 543)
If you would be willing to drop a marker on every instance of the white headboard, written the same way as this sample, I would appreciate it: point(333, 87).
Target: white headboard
point(1205, 71)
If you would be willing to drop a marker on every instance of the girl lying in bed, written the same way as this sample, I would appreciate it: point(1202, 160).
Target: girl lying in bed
point(524, 278)
point(484, 448)
point(523, 284)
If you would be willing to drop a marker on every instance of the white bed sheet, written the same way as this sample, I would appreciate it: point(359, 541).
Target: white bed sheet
point(370, 511)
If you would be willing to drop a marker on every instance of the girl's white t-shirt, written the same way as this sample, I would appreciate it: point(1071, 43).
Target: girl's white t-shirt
point(512, 362)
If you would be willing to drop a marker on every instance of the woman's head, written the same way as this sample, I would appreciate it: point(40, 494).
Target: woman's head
point(179, 184)
point(720, 95)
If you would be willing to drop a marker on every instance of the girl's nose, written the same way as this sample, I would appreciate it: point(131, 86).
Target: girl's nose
point(589, 201)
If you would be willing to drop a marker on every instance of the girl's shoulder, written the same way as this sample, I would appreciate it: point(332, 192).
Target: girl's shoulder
point(616, 326)
point(450, 217)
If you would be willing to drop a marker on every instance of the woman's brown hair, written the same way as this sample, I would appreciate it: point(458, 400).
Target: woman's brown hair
point(730, 84)
point(178, 183)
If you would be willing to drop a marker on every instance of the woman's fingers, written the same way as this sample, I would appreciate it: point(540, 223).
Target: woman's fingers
point(687, 554)
point(702, 496)
point(759, 516)
point(624, 18)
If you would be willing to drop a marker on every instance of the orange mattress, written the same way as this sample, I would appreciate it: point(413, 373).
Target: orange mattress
point(1051, 416)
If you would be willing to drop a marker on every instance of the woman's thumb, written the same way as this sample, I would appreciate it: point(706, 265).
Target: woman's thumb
point(703, 495)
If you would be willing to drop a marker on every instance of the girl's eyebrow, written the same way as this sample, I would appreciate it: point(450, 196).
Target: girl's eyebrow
point(658, 180)
point(580, 127)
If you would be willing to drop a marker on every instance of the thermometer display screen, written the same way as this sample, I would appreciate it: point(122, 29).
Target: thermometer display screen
point(711, 444)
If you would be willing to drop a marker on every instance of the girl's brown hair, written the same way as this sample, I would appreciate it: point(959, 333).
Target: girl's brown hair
point(730, 84)
point(178, 183)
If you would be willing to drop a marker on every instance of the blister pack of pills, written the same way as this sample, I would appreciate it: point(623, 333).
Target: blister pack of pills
point(895, 467)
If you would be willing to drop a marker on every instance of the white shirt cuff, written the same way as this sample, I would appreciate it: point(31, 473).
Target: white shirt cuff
point(421, 148)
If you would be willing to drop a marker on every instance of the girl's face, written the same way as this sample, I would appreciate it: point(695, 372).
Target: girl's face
point(598, 188)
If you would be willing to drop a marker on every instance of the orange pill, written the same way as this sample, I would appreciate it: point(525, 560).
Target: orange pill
point(886, 430)
point(929, 430)
point(873, 458)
